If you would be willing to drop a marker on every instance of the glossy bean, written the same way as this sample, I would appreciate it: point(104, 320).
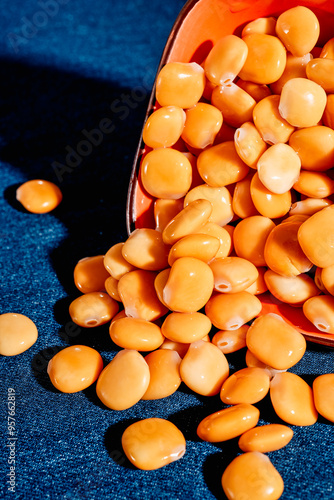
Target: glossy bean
point(111, 287)
point(186, 327)
point(229, 311)
point(266, 438)
point(320, 70)
point(295, 68)
point(115, 263)
point(233, 274)
point(283, 252)
point(265, 25)
point(299, 29)
point(165, 379)
point(323, 392)
point(124, 381)
point(228, 423)
point(294, 290)
point(164, 126)
point(203, 122)
point(225, 59)
point(222, 234)
point(74, 368)
point(302, 102)
point(180, 84)
point(314, 184)
point(269, 204)
point(235, 103)
point(250, 237)
point(230, 341)
point(252, 476)
point(90, 274)
point(145, 249)
point(320, 311)
point(249, 144)
point(266, 58)
point(248, 385)
point(274, 342)
point(166, 173)
point(189, 285)
point(269, 122)
point(309, 206)
point(257, 90)
point(316, 242)
point(17, 333)
point(219, 197)
point(39, 196)
point(315, 147)
point(165, 211)
point(136, 333)
point(201, 246)
point(221, 165)
point(204, 368)
point(242, 203)
point(139, 297)
point(292, 399)
point(153, 443)
point(93, 309)
point(190, 220)
point(279, 168)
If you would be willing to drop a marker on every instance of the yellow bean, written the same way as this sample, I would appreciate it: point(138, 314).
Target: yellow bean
point(323, 392)
point(136, 333)
point(189, 220)
point(298, 28)
point(75, 368)
point(228, 423)
point(320, 311)
point(230, 341)
point(248, 385)
point(252, 476)
point(233, 274)
point(302, 102)
point(229, 311)
point(204, 368)
point(153, 443)
point(292, 399)
point(221, 165)
point(124, 381)
point(180, 84)
point(200, 246)
point(189, 285)
point(274, 342)
point(145, 249)
point(186, 327)
point(93, 309)
point(266, 438)
point(165, 379)
point(139, 297)
point(225, 59)
point(219, 197)
point(90, 274)
point(17, 333)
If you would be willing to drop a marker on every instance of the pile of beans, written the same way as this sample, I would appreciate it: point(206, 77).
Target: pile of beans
point(239, 159)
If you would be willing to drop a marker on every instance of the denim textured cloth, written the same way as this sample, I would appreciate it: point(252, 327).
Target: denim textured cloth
point(70, 69)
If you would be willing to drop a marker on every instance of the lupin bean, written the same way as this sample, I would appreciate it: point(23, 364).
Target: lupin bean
point(39, 196)
point(153, 443)
point(260, 480)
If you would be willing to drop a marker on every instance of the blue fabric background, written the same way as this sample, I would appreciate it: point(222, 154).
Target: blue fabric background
point(62, 73)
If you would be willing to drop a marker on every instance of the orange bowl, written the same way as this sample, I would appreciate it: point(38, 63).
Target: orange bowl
point(197, 28)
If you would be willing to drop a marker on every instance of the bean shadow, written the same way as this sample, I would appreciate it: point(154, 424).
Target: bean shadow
point(80, 133)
